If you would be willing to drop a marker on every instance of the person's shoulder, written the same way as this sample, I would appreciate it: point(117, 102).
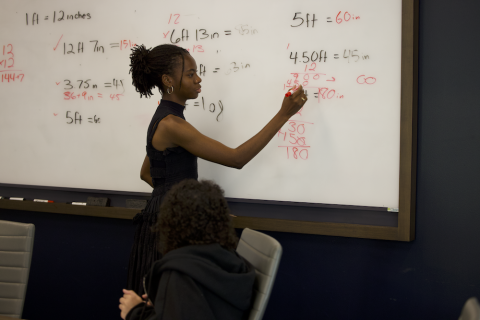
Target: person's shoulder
point(171, 123)
point(172, 119)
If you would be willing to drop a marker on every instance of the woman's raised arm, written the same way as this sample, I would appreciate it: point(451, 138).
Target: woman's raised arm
point(181, 133)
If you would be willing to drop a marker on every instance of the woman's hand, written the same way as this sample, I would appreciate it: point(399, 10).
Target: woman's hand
point(292, 104)
point(129, 300)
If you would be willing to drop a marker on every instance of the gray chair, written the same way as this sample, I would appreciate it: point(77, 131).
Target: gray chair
point(471, 310)
point(16, 245)
point(264, 253)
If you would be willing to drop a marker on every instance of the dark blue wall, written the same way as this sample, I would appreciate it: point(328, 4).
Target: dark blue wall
point(79, 263)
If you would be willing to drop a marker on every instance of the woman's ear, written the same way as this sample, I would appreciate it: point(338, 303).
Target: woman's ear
point(167, 81)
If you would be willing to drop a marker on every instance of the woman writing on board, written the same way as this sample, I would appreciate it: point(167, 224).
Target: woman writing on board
point(173, 144)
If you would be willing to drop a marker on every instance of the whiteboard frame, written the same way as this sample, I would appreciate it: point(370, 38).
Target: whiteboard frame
point(405, 231)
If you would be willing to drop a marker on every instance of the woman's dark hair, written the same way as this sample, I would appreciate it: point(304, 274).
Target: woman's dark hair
point(148, 65)
point(193, 213)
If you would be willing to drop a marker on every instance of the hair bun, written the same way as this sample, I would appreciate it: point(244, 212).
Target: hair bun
point(140, 70)
point(139, 58)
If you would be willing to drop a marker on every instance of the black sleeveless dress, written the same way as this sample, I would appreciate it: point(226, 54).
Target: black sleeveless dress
point(166, 168)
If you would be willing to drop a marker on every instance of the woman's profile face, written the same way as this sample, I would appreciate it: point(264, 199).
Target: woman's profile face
point(190, 88)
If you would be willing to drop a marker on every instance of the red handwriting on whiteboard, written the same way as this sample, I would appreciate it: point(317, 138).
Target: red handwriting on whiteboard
point(296, 152)
point(346, 17)
point(306, 78)
point(12, 76)
point(366, 80)
point(58, 43)
point(116, 97)
point(71, 95)
point(293, 140)
point(127, 44)
point(198, 48)
point(7, 57)
point(326, 93)
point(175, 16)
point(312, 67)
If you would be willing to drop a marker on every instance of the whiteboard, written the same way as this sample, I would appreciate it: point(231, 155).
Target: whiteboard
point(62, 61)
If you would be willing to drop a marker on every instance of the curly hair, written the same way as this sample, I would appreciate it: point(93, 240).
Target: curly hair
point(148, 65)
point(194, 212)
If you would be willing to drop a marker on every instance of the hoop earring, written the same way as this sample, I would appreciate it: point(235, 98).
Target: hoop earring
point(168, 90)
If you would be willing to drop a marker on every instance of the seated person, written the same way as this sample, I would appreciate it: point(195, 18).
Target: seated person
point(200, 275)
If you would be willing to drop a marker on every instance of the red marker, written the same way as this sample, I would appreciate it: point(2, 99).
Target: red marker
point(289, 93)
point(41, 200)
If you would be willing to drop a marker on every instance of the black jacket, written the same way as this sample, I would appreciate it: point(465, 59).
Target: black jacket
point(198, 282)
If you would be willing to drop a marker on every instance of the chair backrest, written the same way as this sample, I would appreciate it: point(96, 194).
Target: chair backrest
point(16, 245)
point(471, 310)
point(264, 253)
